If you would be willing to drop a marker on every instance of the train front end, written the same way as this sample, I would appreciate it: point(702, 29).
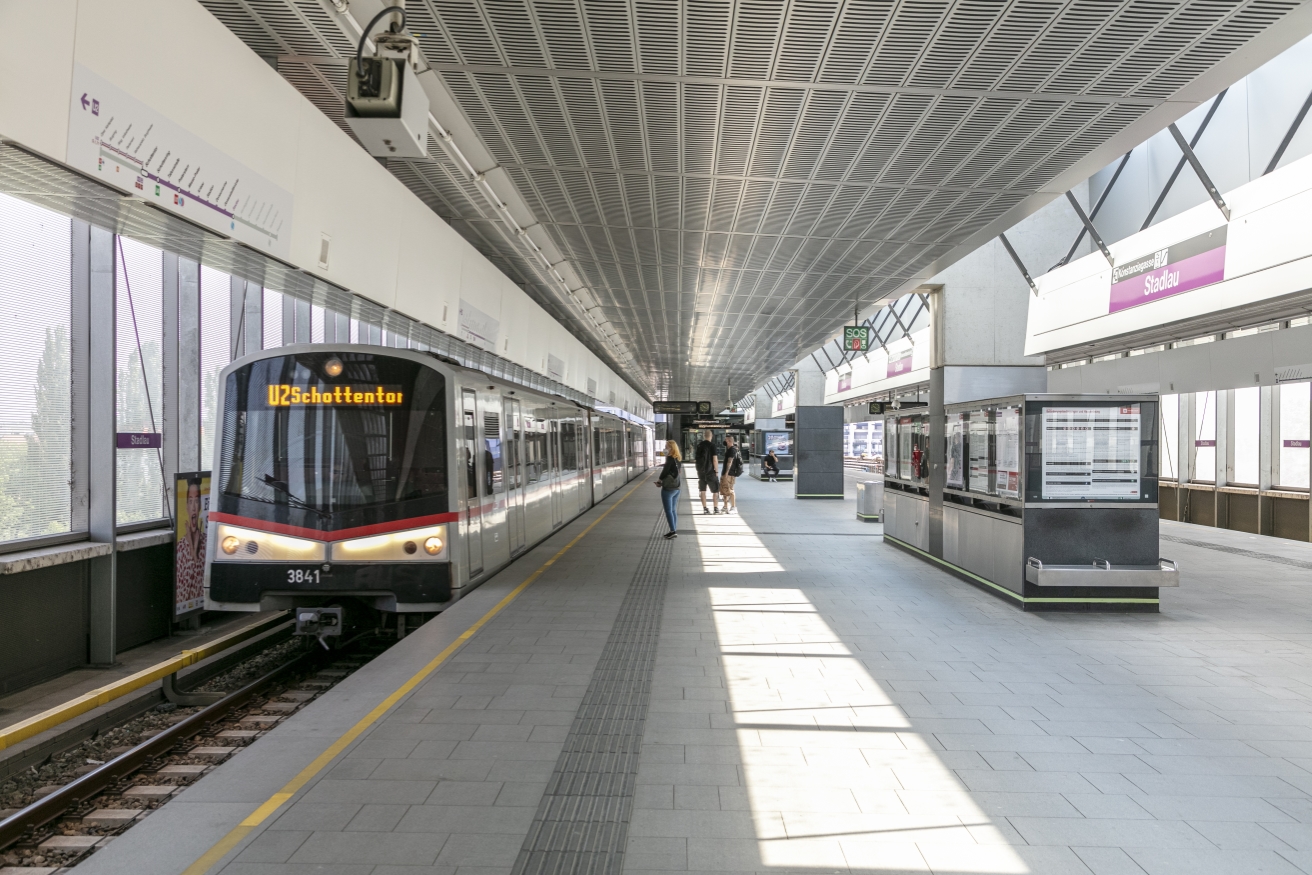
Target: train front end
point(331, 483)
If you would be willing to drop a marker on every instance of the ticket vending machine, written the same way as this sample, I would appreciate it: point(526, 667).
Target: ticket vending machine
point(1047, 500)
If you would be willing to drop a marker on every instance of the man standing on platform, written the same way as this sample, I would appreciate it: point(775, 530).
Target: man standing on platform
point(707, 480)
point(731, 470)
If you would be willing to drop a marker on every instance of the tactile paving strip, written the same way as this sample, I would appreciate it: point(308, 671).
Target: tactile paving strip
point(1249, 554)
point(582, 822)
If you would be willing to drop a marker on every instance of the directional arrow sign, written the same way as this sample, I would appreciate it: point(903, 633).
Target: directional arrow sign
point(85, 102)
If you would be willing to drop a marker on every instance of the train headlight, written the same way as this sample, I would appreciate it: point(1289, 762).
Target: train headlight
point(333, 367)
point(394, 547)
point(248, 545)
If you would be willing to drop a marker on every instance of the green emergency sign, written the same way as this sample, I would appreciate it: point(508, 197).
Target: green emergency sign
point(856, 338)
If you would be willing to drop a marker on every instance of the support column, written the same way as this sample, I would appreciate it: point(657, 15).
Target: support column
point(1188, 452)
point(818, 451)
point(189, 375)
point(102, 428)
point(1268, 454)
point(246, 317)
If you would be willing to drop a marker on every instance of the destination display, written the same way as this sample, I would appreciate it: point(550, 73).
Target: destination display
point(287, 395)
point(686, 408)
point(1091, 453)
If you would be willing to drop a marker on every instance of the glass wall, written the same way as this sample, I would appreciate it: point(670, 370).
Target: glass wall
point(1295, 405)
point(1248, 421)
point(139, 301)
point(1205, 437)
point(35, 409)
point(1170, 436)
point(215, 352)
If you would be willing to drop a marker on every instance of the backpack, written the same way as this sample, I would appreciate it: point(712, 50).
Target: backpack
point(736, 468)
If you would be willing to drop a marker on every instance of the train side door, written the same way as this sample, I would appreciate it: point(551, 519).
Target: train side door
point(553, 457)
point(493, 493)
point(469, 480)
point(515, 470)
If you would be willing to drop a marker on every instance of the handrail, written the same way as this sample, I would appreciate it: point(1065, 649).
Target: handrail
point(32, 726)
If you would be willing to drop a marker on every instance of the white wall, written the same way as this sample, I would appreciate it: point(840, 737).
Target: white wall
point(183, 63)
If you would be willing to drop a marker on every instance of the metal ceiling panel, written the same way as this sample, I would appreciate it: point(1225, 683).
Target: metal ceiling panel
point(729, 176)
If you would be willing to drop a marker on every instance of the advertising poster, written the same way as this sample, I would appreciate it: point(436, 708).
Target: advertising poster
point(779, 442)
point(1091, 453)
point(191, 516)
point(956, 468)
point(1007, 445)
point(978, 448)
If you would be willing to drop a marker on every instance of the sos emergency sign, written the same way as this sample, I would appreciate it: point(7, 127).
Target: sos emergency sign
point(856, 338)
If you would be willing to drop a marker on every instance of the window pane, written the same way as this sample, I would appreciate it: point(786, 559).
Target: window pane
point(35, 411)
point(1247, 422)
point(1170, 435)
point(1294, 408)
point(1205, 436)
point(215, 352)
point(272, 319)
point(139, 307)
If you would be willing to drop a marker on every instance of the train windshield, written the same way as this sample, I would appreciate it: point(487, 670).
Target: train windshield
point(333, 440)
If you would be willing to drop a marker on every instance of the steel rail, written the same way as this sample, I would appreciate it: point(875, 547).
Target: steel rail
point(27, 821)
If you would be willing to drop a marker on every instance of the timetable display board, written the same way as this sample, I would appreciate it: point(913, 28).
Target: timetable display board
point(956, 451)
point(1091, 452)
point(1007, 446)
point(979, 459)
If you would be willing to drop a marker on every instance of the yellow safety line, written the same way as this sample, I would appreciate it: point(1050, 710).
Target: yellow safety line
point(276, 801)
point(23, 730)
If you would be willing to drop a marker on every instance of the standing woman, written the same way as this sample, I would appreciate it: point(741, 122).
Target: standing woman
point(668, 481)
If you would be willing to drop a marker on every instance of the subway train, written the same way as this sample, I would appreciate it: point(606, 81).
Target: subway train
point(392, 479)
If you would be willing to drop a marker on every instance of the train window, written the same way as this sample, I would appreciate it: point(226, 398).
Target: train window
point(326, 452)
point(494, 480)
point(535, 448)
point(568, 446)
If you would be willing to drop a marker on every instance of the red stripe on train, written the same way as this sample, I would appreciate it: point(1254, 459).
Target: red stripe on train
point(338, 534)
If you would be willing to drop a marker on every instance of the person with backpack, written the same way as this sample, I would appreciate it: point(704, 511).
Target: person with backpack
point(707, 480)
point(669, 483)
point(730, 471)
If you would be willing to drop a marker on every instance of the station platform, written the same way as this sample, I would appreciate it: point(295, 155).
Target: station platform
point(778, 691)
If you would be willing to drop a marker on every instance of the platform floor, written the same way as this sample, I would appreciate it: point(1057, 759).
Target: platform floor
point(798, 697)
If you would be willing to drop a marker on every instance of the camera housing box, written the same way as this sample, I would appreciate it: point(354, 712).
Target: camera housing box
point(394, 123)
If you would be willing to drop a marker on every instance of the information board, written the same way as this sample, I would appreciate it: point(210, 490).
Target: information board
point(1007, 448)
point(978, 447)
point(956, 468)
point(1091, 453)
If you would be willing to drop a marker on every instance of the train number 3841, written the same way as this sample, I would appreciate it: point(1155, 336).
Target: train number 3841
point(302, 575)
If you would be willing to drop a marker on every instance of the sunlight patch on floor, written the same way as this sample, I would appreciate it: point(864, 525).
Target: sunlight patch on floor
point(729, 546)
point(836, 776)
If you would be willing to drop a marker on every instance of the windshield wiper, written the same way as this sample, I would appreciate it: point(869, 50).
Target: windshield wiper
point(278, 485)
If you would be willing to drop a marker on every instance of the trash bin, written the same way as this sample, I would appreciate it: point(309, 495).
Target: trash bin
point(870, 501)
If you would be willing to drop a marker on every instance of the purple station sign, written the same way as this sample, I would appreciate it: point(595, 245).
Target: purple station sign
point(133, 440)
point(1181, 267)
point(899, 365)
point(1295, 444)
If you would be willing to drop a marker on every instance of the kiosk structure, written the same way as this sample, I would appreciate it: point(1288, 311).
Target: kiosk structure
point(1049, 501)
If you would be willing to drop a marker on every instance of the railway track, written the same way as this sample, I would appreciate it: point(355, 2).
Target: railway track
point(168, 748)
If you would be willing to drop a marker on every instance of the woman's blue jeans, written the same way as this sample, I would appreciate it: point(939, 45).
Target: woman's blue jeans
point(670, 500)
